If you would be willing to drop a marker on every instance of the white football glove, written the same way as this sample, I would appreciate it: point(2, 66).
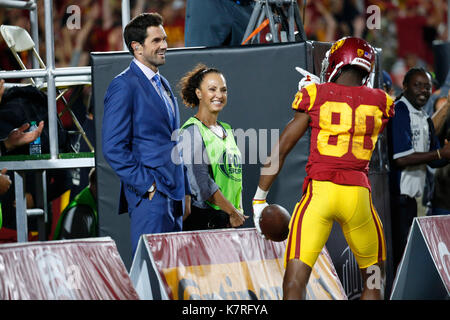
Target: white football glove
point(307, 79)
point(259, 203)
point(258, 207)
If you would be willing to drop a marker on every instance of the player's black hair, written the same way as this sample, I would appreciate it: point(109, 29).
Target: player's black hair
point(356, 70)
point(136, 29)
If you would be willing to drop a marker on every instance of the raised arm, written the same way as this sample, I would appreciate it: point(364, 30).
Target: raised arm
point(293, 131)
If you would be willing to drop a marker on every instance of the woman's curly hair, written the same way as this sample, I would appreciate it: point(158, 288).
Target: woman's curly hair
point(191, 81)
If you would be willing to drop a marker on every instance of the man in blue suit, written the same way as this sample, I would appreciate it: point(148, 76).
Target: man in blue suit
point(139, 134)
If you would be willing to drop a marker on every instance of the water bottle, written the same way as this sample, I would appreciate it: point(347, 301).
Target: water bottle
point(35, 146)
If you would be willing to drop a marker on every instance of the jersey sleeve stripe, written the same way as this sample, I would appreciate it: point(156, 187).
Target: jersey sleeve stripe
point(312, 92)
point(389, 103)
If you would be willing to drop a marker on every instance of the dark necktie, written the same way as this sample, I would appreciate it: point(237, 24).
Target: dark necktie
point(159, 85)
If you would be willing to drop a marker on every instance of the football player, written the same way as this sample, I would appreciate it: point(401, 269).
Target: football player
point(345, 117)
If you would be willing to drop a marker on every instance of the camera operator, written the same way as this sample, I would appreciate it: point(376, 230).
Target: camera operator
point(216, 23)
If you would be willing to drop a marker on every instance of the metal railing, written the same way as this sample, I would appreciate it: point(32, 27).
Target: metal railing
point(49, 73)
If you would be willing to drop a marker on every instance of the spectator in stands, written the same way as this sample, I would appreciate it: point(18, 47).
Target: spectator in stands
point(413, 145)
point(385, 36)
point(319, 23)
point(174, 22)
point(79, 219)
point(173, 13)
point(401, 67)
point(107, 31)
point(216, 23)
point(20, 105)
point(410, 32)
point(387, 83)
point(15, 138)
point(72, 42)
point(216, 193)
point(19, 137)
point(349, 18)
point(418, 24)
point(440, 200)
point(436, 101)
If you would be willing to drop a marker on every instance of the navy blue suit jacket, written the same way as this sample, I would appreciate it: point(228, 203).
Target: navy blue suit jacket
point(138, 139)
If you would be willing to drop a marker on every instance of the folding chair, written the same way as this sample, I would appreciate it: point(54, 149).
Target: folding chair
point(19, 40)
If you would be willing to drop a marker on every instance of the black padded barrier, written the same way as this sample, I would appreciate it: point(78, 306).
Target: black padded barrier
point(261, 84)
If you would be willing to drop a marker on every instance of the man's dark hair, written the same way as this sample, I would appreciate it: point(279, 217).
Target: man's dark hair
point(136, 29)
point(408, 77)
point(412, 72)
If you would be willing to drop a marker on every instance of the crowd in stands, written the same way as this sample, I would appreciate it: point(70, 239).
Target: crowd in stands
point(100, 28)
point(405, 34)
point(406, 30)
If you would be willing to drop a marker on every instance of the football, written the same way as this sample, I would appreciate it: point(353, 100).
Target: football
point(274, 222)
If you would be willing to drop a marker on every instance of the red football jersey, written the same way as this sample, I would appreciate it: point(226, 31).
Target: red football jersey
point(345, 123)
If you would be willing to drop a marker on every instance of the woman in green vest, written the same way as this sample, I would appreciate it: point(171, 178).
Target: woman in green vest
point(210, 153)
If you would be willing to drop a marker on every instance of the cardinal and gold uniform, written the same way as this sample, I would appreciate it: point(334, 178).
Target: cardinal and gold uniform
point(345, 122)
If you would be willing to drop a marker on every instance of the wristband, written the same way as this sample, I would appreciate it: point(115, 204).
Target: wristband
point(258, 201)
point(260, 194)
